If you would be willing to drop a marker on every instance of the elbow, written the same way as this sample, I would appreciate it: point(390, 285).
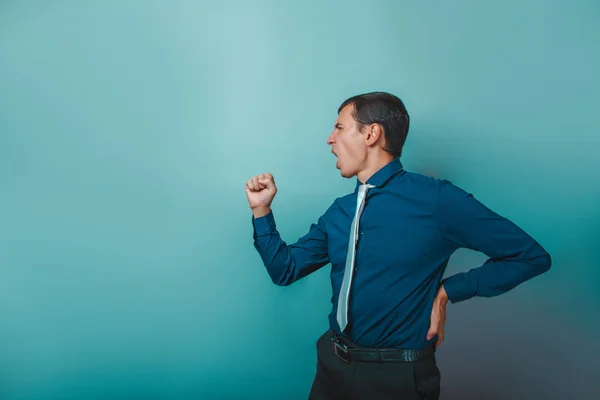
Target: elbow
point(547, 262)
point(279, 272)
point(542, 264)
point(281, 280)
point(281, 275)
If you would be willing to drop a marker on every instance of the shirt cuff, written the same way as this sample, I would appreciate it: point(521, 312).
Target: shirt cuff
point(264, 225)
point(460, 287)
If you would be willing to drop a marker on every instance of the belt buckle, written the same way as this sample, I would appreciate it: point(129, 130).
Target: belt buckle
point(341, 351)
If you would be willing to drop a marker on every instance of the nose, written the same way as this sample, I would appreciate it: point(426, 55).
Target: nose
point(331, 138)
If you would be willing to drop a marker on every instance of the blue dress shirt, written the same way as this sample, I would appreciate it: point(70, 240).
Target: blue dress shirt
point(410, 226)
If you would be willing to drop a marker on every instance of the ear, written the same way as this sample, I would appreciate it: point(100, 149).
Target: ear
point(372, 133)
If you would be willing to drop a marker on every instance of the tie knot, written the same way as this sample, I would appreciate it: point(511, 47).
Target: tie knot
point(362, 189)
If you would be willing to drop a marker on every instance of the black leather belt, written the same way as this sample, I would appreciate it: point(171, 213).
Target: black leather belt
point(350, 353)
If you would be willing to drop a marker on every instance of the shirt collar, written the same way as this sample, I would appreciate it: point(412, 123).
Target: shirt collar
point(384, 174)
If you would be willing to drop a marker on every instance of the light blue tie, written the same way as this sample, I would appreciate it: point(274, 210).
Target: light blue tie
point(342, 309)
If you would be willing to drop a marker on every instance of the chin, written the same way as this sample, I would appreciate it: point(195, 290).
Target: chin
point(346, 174)
point(344, 171)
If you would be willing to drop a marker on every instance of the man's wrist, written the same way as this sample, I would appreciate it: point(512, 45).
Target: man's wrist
point(443, 295)
point(261, 211)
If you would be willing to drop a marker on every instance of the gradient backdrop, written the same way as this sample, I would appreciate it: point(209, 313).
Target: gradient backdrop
point(128, 130)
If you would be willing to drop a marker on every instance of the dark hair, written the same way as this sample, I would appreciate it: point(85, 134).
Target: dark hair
point(386, 110)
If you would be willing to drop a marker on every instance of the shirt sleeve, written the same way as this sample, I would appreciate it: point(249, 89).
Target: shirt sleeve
point(287, 263)
point(514, 256)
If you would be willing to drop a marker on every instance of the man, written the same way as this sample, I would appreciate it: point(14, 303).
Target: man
point(388, 244)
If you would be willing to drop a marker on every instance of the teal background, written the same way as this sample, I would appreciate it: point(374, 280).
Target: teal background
point(128, 130)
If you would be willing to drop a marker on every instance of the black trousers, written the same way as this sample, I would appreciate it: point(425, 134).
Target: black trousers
point(336, 379)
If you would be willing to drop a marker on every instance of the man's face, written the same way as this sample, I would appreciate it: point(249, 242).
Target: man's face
point(348, 144)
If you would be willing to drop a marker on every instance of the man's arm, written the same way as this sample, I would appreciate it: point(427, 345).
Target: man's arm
point(285, 263)
point(288, 263)
point(514, 256)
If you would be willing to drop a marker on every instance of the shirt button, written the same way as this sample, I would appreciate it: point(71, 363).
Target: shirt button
point(356, 268)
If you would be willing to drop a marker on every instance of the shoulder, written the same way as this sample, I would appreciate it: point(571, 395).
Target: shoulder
point(430, 183)
point(438, 192)
point(335, 207)
point(341, 205)
point(342, 202)
point(425, 186)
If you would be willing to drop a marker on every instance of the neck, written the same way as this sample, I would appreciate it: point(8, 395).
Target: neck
point(373, 166)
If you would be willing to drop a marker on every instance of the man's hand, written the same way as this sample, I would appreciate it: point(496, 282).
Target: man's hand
point(438, 317)
point(261, 190)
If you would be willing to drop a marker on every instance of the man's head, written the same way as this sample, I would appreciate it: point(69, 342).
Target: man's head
point(369, 132)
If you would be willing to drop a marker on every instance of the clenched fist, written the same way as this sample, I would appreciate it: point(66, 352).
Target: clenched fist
point(261, 190)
